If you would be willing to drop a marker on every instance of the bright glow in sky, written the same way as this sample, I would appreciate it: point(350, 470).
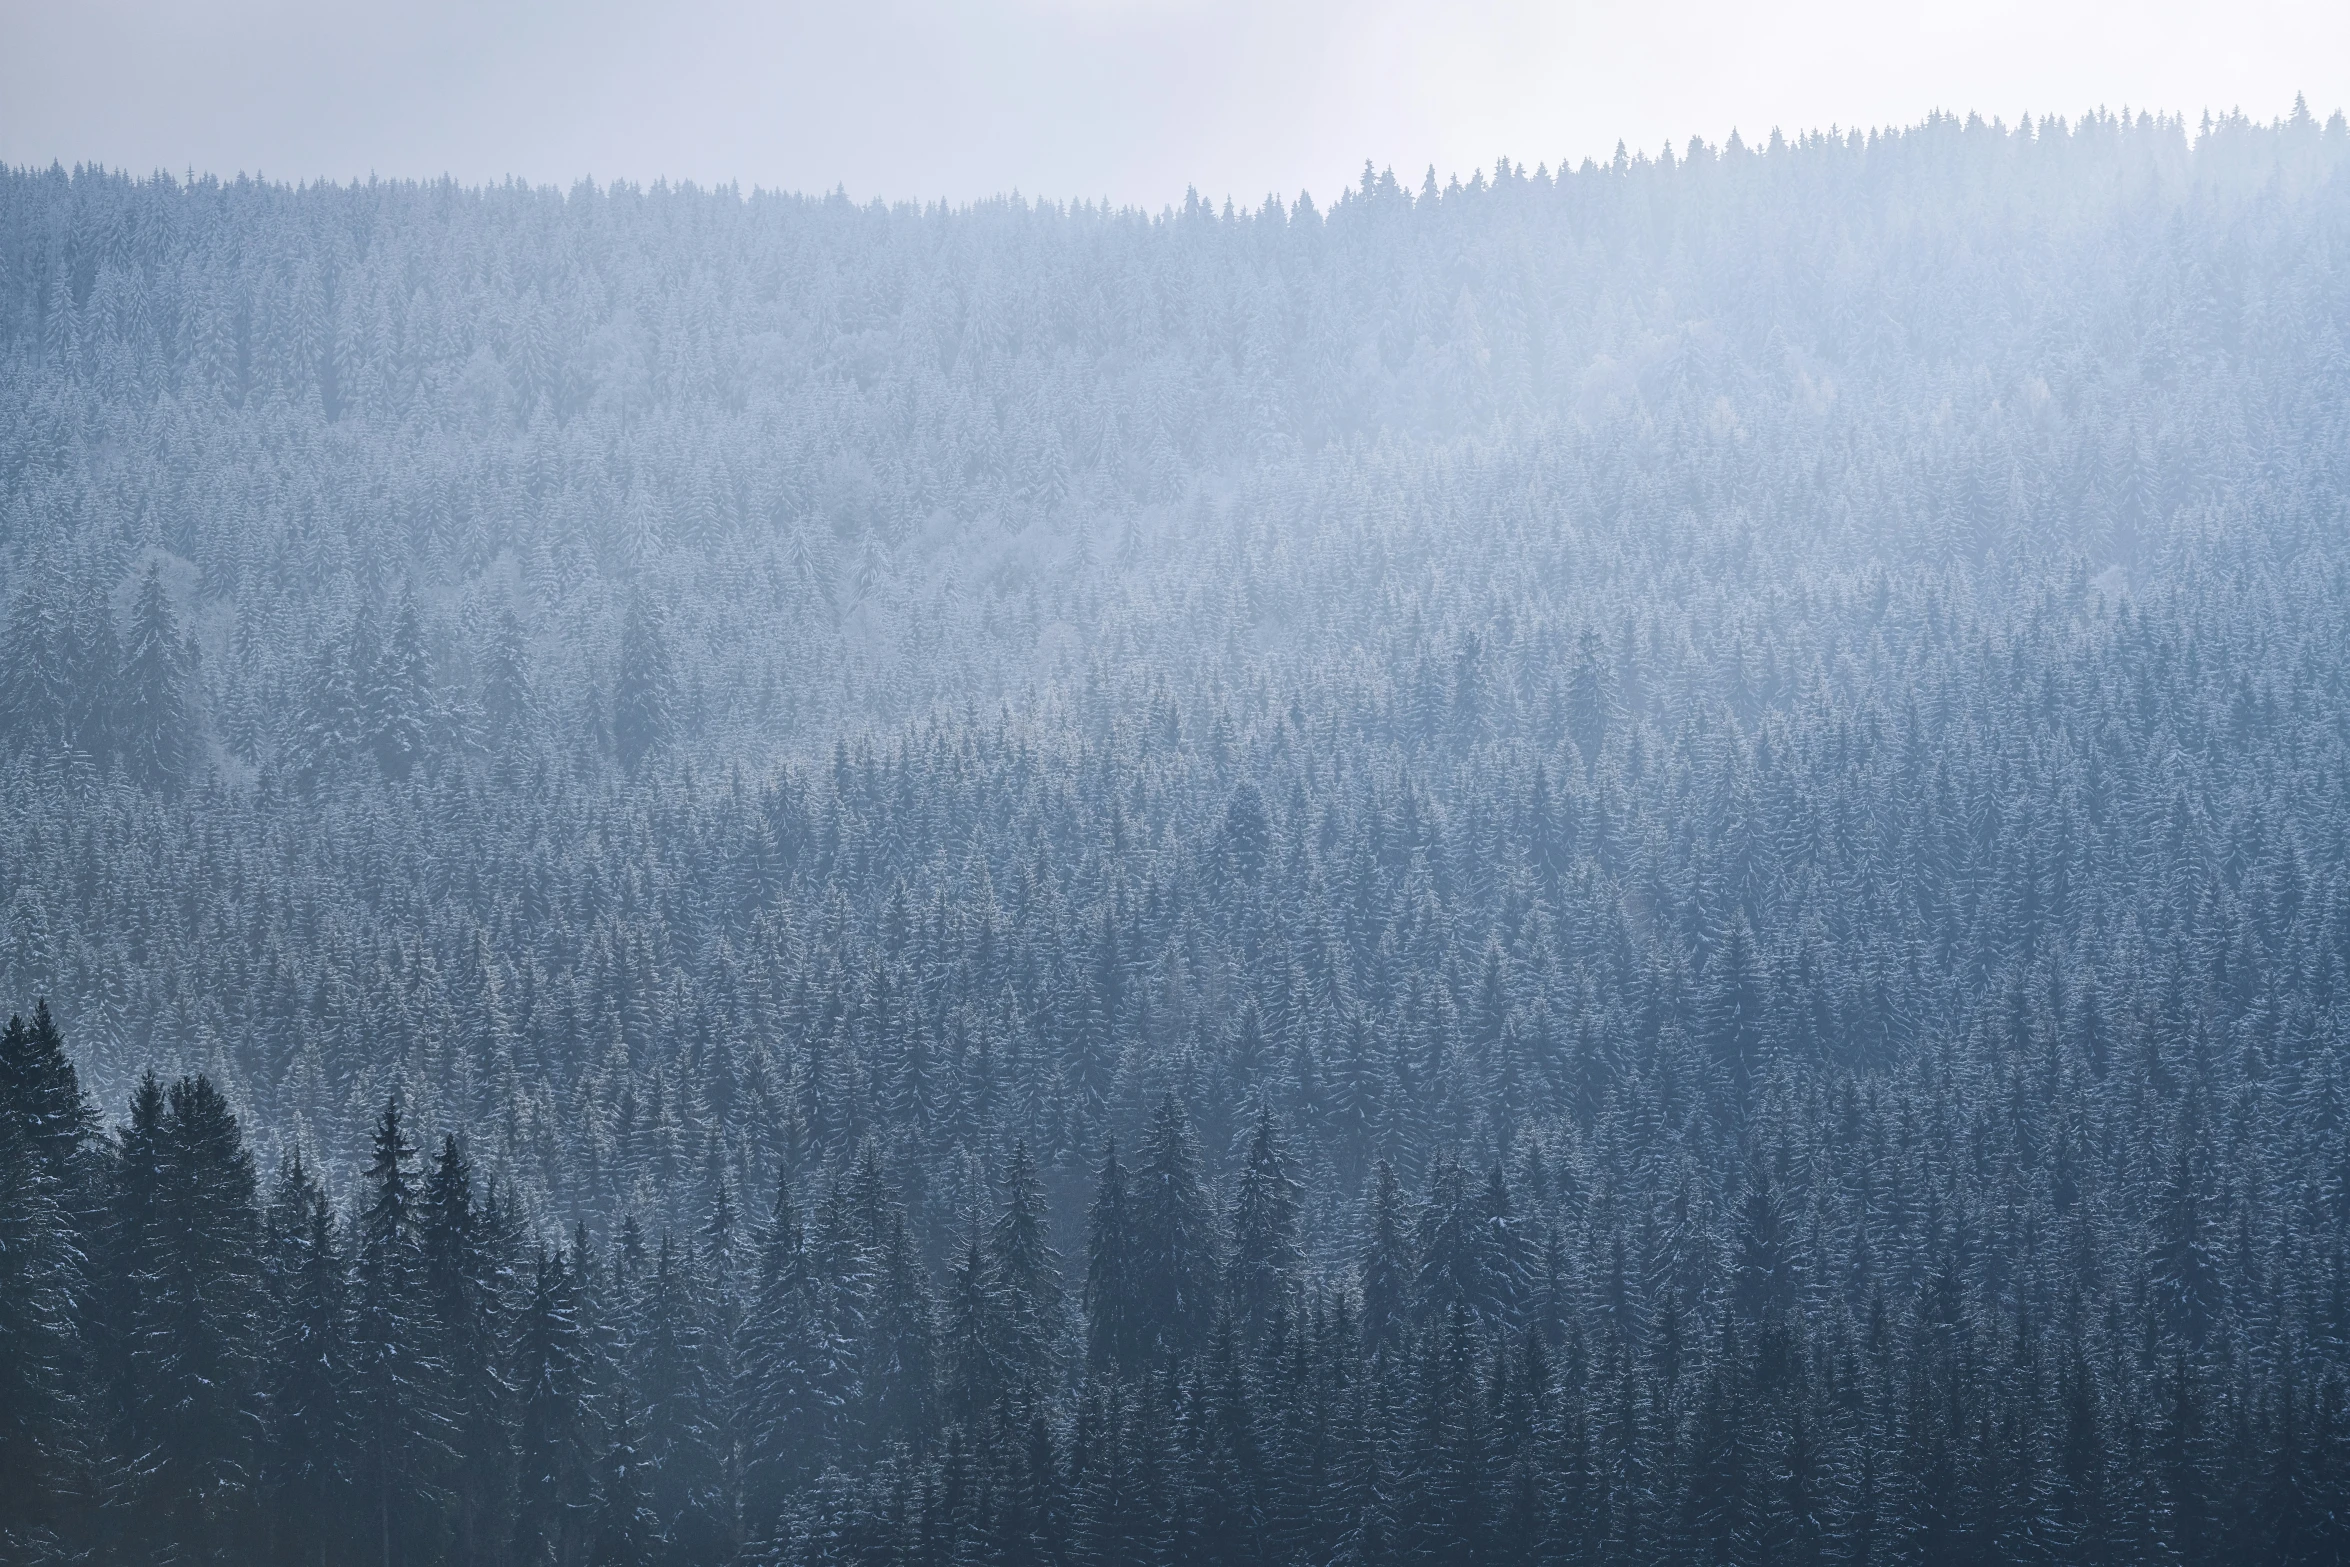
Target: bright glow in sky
point(1132, 99)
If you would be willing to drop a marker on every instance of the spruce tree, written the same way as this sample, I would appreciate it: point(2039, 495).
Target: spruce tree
point(310, 1433)
point(1387, 1266)
point(96, 690)
point(35, 697)
point(153, 723)
point(2187, 1280)
point(1176, 1267)
point(795, 1369)
point(395, 1387)
point(332, 722)
point(553, 1447)
point(1455, 1252)
point(680, 1449)
point(130, 1263)
point(1263, 1259)
point(1227, 1480)
point(1733, 1016)
point(47, 1172)
point(510, 698)
point(461, 1330)
point(195, 1342)
point(1441, 1510)
point(975, 1340)
point(626, 1532)
point(643, 693)
point(1116, 1332)
point(897, 1372)
point(398, 706)
point(1025, 1274)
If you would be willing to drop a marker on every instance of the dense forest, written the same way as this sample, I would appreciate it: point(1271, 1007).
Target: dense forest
point(1642, 863)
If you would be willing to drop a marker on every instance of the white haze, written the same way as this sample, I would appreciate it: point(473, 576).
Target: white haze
point(1134, 101)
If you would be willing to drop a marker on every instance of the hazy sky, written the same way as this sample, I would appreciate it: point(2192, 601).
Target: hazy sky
point(1133, 99)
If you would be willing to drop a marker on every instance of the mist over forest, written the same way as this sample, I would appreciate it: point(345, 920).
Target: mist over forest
point(1632, 864)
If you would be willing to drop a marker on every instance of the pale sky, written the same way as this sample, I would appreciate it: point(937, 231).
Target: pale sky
point(1130, 99)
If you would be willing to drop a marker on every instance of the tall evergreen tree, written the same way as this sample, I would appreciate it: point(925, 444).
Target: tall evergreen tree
point(154, 719)
point(47, 1171)
point(898, 1372)
point(1263, 1260)
point(1116, 1330)
point(394, 1385)
point(976, 1341)
point(796, 1369)
point(1734, 1013)
point(1177, 1272)
point(554, 1446)
point(459, 1337)
point(310, 1435)
point(509, 691)
point(399, 708)
point(643, 692)
point(96, 689)
point(131, 1260)
point(195, 1335)
point(626, 1530)
point(1025, 1273)
point(1387, 1266)
point(681, 1447)
point(36, 695)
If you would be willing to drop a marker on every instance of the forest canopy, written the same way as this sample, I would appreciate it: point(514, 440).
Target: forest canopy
point(1635, 863)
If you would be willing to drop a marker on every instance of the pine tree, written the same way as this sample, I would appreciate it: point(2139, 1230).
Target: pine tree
point(194, 1348)
point(1763, 1284)
point(1590, 699)
point(1111, 1488)
point(643, 694)
point(1248, 835)
point(1733, 1013)
point(975, 1338)
point(1460, 1263)
point(35, 697)
point(1176, 1269)
point(1387, 1267)
point(1441, 1509)
point(1116, 1332)
point(626, 1530)
point(897, 1374)
point(96, 690)
point(394, 1386)
point(460, 1329)
point(398, 708)
point(1034, 1520)
point(332, 721)
point(130, 1262)
point(509, 698)
point(680, 1447)
point(1227, 1478)
point(795, 1369)
point(1025, 1273)
point(1264, 1258)
point(1713, 1498)
point(1507, 1263)
point(2188, 1283)
point(47, 1170)
point(309, 1443)
point(552, 1444)
point(153, 724)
